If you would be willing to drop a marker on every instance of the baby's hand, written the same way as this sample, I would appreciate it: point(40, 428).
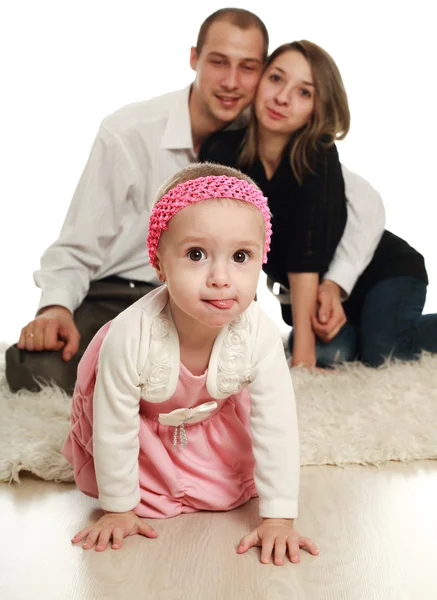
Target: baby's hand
point(279, 536)
point(116, 526)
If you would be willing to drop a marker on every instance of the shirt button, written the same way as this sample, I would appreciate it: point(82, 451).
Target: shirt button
point(131, 284)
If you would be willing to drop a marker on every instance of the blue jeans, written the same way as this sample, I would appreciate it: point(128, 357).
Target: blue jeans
point(391, 326)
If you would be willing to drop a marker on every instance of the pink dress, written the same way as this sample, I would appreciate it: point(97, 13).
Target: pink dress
point(214, 471)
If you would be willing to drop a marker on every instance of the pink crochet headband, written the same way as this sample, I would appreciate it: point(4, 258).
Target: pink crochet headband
point(204, 188)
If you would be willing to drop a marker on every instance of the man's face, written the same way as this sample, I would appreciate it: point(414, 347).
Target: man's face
point(228, 69)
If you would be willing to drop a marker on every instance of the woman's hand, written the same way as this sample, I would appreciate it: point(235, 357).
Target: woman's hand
point(330, 316)
point(277, 536)
point(308, 360)
point(115, 526)
point(303, 296)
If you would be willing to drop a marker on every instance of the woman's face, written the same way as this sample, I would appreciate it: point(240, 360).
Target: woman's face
point(284, 101)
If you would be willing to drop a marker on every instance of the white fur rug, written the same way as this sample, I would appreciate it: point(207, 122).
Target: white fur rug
point(356, 415)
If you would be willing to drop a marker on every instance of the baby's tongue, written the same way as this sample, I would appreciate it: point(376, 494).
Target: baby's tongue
point(222, 303)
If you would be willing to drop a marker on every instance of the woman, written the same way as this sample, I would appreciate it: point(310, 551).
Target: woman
point(300, 109)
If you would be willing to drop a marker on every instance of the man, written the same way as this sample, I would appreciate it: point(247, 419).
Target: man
point(99, 264)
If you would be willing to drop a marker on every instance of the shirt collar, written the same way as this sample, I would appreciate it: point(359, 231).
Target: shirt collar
point(177, 134)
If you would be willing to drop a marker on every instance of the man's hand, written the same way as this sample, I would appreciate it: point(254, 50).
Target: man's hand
point(330, 316)
point(277, 537)
point(52, 329)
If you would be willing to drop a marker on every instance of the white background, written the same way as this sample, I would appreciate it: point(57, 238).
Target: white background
point(65, 65)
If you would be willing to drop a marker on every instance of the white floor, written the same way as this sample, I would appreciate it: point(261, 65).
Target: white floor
point(376, 530)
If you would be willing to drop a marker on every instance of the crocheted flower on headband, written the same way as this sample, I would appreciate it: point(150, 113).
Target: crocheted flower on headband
point(204, 188)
